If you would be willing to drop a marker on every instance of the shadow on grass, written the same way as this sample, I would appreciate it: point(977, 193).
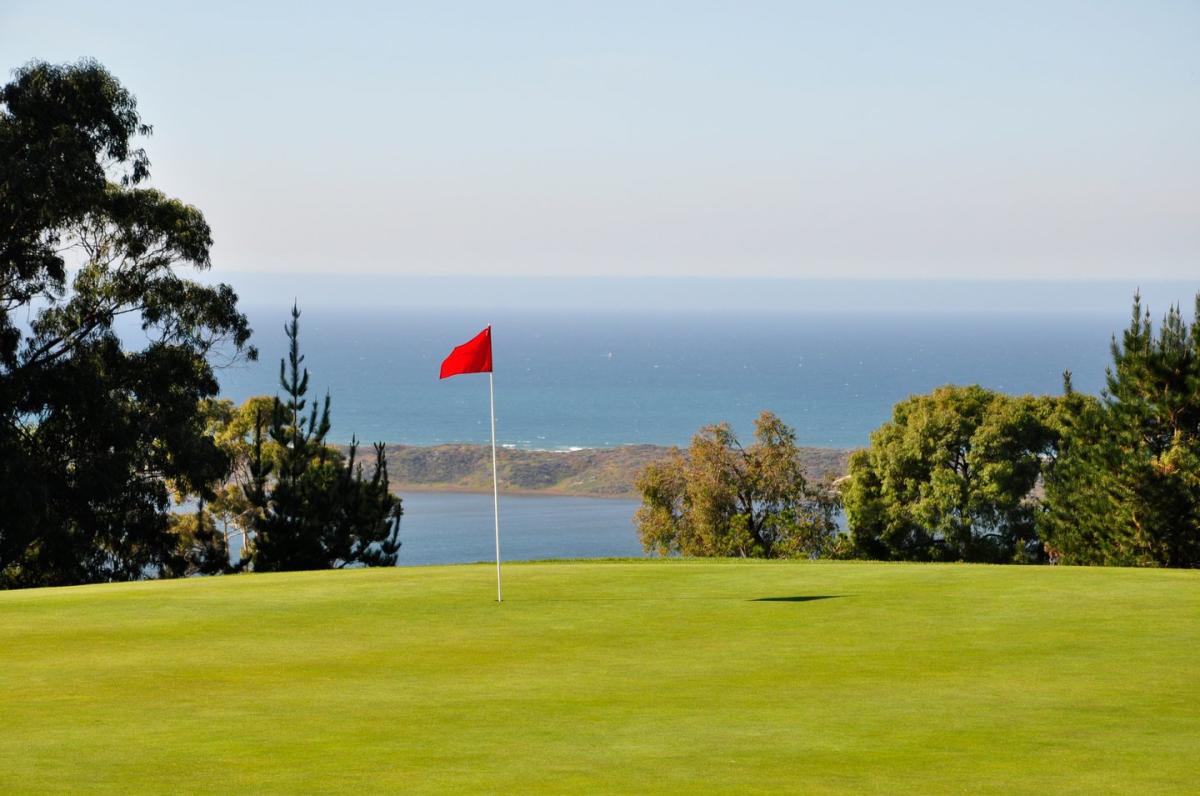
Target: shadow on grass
point(805, 598)
point(642, 598)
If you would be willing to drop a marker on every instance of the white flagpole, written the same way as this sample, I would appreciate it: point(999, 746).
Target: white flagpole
point(495, 483)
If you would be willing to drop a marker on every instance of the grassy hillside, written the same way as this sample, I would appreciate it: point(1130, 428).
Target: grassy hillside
point(675, 676)
point(596, 472)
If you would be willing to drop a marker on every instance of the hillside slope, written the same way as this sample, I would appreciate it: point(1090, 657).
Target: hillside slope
point(596, 472)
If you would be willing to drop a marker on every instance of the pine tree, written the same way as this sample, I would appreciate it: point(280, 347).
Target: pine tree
point(1125, 488)
point(319, 512)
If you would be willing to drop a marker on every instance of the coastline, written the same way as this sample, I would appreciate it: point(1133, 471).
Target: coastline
point(586, 472)
point(516, 491)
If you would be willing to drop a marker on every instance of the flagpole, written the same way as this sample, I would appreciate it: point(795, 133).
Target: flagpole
point(495, 482)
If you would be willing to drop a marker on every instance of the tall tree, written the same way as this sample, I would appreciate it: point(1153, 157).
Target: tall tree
point(319, 511)
point(1126, 488)
point(721, 499)
point(93, 436)
point(950, 477)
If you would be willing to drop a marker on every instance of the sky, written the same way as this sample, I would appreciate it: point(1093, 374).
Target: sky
point(851, 140)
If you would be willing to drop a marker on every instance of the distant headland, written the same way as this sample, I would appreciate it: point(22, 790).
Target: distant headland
point(590, 472)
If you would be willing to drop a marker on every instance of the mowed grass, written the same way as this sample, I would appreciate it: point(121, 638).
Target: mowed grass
point(672, 676)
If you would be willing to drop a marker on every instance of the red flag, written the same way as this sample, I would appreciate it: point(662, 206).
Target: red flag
point(473, 356)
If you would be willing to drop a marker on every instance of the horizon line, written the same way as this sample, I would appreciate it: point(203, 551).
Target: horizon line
point(711, 278)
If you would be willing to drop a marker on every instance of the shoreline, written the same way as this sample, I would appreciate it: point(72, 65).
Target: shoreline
point(586, 472)
point(402, 489)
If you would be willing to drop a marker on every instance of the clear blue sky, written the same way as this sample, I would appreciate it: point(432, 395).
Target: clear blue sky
point(849, 139)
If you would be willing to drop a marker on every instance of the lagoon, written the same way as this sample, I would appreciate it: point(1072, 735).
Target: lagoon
point(457, 528)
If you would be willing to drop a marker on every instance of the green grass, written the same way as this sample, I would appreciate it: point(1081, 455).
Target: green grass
point(676, 676)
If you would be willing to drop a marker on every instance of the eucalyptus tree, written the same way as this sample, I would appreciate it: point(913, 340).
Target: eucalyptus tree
point(94, 435)
point(719, 498)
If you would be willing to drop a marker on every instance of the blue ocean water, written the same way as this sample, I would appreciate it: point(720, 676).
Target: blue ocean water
point(567, 380)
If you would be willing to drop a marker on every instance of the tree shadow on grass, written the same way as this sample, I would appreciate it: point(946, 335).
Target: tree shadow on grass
point(802, 598)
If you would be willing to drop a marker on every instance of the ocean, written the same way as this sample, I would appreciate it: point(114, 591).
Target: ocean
point(573, 380)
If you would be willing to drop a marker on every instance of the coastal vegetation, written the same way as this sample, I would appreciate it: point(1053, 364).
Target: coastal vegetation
point(97, 439)
point(1125, 487)
point(681, 676)
point(970, 474)
point(310, 507)
point(94, 437)
point(950, 478)
point(722, 499)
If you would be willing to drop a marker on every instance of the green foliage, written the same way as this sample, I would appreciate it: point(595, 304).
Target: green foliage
point(949, 478)
point(93, 437)
point(64, 132)
point(307, 508)
point(202, 548)
point(720, 499)
point(1125, 490)
point(227, 513)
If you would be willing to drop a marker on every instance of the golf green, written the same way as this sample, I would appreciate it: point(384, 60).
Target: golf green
point(622, 676)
